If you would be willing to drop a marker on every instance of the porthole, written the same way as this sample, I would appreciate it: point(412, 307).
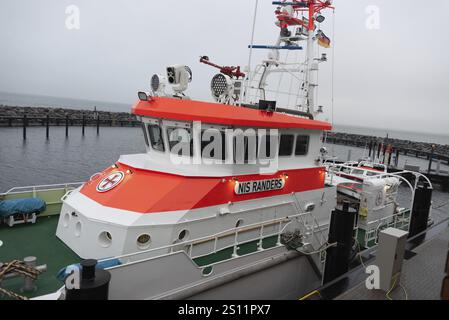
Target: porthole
point(66, 220)
point(207, 271)
point(144, 241)
point(105, 239)
point(239, 223)
point(78, 229)
point(183, 235)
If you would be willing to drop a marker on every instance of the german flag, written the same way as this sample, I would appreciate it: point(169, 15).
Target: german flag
point(323, 40)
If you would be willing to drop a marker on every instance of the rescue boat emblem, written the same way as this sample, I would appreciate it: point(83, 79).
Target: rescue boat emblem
point(111, 181)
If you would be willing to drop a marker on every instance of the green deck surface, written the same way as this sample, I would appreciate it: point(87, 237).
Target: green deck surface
point(37, 240)
point(243, 249)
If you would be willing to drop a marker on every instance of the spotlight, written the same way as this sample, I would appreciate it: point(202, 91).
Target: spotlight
point(143, 96)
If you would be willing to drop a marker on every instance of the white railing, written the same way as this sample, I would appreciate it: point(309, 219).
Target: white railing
point(187, 246)
point(46, 187)
point(398, 220)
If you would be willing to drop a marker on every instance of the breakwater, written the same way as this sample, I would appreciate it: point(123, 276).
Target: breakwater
point(379, 146)
point(42, 116)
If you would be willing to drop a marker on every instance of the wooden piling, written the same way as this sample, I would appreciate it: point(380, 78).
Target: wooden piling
point(67, 125)
point(430, 159)
point(98, 124)
point(24, 126)
point(47, 128)
point(396, 161)
point(83, 124)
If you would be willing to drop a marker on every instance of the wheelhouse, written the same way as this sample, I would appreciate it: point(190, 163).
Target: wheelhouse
point(229, 144)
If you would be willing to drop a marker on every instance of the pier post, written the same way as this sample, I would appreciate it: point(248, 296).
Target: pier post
point(378, 150)
point(431, 159)
point(349, 155)
point(396, 161)
point(47, 127)
point(370, 148)
point(66, 125)
point(83, 123)
point(341, 231)
point(98, 124)
point(25, 122)
point(420, 209)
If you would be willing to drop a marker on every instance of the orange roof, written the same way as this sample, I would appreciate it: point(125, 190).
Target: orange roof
point(215, 113)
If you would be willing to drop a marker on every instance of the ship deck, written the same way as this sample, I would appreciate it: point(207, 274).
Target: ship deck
point(37, 240)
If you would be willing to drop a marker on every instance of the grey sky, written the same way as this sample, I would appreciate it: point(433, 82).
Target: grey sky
point(396, 77)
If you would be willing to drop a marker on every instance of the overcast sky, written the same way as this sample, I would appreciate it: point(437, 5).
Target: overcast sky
point(393, 77)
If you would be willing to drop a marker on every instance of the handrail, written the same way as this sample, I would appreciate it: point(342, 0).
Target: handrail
point(210, 237)
point(34, 188)
point(399, 176)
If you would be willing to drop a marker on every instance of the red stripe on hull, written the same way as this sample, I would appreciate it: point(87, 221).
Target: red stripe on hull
point(150, 192)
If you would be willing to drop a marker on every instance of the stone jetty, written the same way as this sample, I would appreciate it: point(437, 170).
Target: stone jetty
point(35, 116)
point(406, 147)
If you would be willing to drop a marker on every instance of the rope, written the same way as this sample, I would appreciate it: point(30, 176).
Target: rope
point(18, 267)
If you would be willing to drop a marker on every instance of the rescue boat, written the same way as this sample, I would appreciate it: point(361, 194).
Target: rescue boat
point(228, 192)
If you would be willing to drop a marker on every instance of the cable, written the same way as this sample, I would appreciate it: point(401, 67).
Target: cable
point(360, 253)
point(393, 287)
point(405, 292)
point(311, 294)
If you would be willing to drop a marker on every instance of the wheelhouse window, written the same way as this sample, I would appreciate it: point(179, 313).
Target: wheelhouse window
point(145, 135)
point(286, 145)
point(245, 148)
point(302, 145)
point(156, 139)
point(213, 144)
point(268, 146)
point(180, 141)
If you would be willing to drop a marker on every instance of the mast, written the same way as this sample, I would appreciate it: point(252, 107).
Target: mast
point(304, 29)
point(310, 101)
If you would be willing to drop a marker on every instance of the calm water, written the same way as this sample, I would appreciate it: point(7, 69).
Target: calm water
point(37, 161)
